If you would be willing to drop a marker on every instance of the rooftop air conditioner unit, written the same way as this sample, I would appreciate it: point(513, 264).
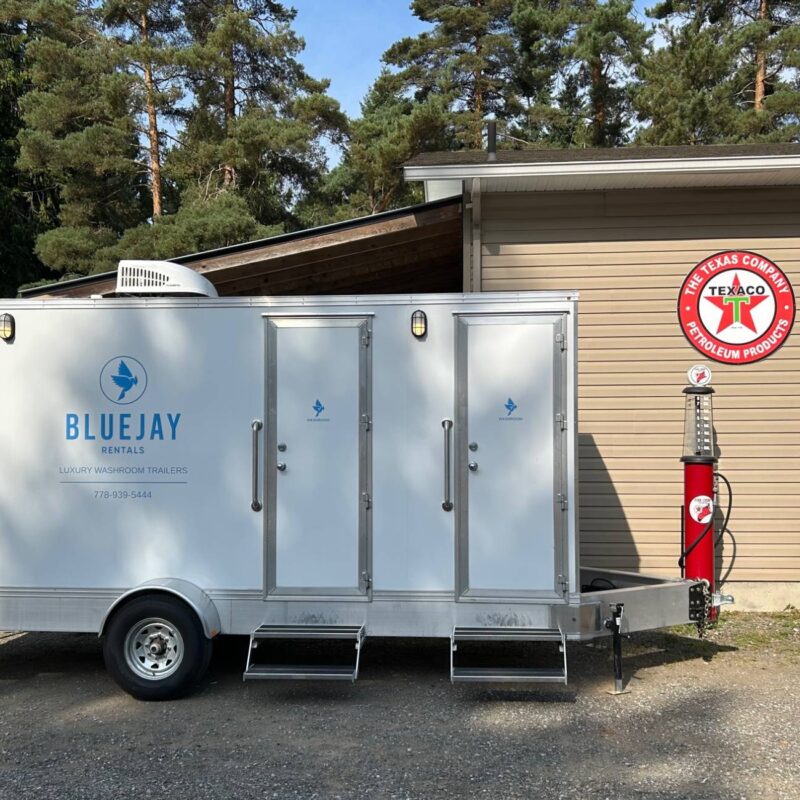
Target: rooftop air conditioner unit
point(161, 278)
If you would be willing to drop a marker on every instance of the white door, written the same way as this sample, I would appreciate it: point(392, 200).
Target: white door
point(317, 456)
point(510, 389)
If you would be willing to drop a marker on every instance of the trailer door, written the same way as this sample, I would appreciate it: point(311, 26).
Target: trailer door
point(510, 390)
point(317, 458)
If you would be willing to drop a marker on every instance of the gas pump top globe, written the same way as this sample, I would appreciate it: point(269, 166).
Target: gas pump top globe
point(698, 426)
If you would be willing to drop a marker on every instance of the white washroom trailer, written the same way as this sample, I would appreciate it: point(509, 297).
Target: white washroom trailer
point(174, 468)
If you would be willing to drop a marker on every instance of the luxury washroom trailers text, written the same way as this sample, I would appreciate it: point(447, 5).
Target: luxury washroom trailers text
point(178, 468)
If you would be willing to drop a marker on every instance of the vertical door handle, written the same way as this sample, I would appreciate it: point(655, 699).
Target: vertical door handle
point(447, 426)
point(256, 427)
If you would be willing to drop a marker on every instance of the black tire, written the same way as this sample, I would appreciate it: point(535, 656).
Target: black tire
point(173, 628)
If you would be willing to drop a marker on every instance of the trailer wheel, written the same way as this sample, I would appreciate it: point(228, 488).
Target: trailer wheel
point(155, 648)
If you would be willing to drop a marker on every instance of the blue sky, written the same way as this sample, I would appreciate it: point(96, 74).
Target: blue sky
point(345, 40)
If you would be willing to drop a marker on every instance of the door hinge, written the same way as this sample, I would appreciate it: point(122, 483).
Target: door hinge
point(561, 339)
point(563, 583)
point(561, 499)
point(366, 422)
point(561, 421)
point(365, 337)
point(366, 579)
point(366, 500)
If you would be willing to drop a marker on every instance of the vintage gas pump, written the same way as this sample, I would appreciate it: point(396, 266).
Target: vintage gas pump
point(700, 539)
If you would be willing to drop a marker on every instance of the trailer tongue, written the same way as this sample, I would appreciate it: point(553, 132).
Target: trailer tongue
point(301, 469)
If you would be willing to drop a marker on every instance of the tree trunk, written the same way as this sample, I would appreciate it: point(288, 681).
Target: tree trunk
point(152, 124)
point(761, 62)
point(598, 104)
point(229, 101)
point(477, 95)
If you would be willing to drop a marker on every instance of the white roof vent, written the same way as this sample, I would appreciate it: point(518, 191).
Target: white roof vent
point(161, 278)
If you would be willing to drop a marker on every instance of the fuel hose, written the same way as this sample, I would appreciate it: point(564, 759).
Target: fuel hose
point(710, 525)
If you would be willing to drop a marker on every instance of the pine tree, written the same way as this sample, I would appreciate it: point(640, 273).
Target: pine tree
point(391, 130)
point(25, 205)
point(766, 82)
point(201, 223)
point(79, 133)
point(147, 33)
point(608, 43)
point(552, 109)
point(258, 121)
point(727, 73)
point(468, 60)
point(576, 62)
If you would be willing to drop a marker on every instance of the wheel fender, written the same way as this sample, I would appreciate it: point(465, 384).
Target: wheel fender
point(191, 594)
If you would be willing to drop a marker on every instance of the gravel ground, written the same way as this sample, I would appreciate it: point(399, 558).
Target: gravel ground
point(704, 719)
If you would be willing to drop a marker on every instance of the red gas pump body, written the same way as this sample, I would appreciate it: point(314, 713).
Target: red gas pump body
point(699, 465)
point(698, 514)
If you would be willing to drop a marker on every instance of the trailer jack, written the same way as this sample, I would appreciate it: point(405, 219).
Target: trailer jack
point(614, 624)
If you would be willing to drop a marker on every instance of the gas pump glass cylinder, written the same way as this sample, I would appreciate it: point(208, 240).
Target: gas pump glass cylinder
point(698, 423)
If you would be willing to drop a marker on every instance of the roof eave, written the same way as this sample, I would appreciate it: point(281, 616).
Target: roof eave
point(661, 167)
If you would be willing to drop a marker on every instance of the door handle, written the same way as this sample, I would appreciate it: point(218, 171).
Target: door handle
point(256, 427)
point(447, 426)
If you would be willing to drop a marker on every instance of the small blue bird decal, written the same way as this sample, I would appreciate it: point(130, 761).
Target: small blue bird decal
point(125, 379)
point(318, 407)
point(511, 406)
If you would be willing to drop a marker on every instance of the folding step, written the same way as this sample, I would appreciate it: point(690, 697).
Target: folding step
point(499, 674)
point(300, 672)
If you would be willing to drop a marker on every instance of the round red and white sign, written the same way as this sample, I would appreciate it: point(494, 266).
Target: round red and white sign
point(736, 307)
point(701, 508)
point(699, 375)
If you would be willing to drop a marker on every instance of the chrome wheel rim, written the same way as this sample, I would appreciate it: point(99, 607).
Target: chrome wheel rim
point(154, 648)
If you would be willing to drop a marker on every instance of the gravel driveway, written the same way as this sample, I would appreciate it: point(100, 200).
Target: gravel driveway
point(704, 719)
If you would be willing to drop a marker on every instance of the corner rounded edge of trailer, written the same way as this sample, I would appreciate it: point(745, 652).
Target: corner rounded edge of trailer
point(185, 590)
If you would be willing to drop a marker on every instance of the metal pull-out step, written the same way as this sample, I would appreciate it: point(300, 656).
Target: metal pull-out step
point(299, 672)
point(498, 674)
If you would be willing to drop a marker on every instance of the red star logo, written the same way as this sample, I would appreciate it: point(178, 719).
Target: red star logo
point(737, 307)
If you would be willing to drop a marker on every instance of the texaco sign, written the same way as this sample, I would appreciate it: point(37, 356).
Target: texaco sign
point(736, 307)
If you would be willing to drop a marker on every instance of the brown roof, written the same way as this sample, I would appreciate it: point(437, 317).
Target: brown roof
point(632, 153)
point(413, 249)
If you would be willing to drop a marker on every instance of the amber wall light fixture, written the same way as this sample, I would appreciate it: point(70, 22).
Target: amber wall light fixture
point(419, 324)
point(8, 327)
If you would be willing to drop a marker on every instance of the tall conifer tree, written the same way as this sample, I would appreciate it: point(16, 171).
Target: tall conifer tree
point(392, 129)
point(258, 122)
point(148, 33)
point(766, 81)
point(468, 60)
point(80, 133)
point(26, 205)
point(727, 73)
point(575, 66)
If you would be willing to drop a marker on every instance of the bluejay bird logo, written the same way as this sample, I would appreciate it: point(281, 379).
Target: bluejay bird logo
point(511, 407)
point(318, 407)
point(125, 379)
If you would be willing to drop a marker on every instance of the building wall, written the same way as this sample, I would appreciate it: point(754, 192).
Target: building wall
point(627, 252)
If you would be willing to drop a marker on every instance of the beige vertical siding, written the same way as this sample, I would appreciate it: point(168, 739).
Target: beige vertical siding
point(627, 252)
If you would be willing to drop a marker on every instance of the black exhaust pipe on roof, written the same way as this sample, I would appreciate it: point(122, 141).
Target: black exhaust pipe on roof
point(491, 140)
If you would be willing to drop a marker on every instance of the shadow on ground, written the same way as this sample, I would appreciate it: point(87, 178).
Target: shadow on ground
point(26, 657)
point(402, 731)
